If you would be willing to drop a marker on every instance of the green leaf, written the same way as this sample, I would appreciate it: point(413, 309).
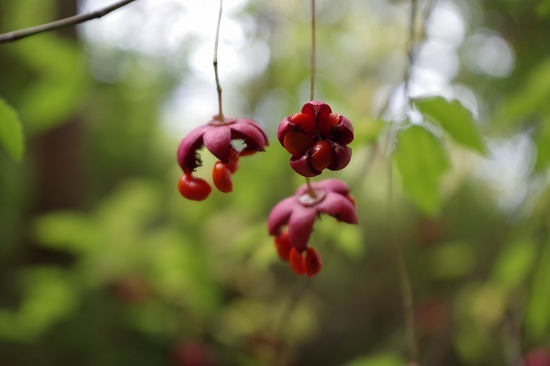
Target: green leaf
point(543, 9)
point(530, 96)
point(514, 263)
point(542, 141)
point(537, 317)
point(421, 161)
point(455, 119)
point(381, 359)
point(11, 133)
point(452, 260)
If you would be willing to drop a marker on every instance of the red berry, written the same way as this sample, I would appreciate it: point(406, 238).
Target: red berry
point(327, 123)
point(313, 262)
point(297, 262)
point(304, 122)
point(193, 188)
point(321, 155)
point(233, 163)
point(297, 143)
point(221, 176)
point(282, 243)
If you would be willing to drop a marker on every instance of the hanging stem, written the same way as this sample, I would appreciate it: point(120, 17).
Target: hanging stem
point(310, 190)
point(410, 53)
point(313, 51)
point(404, 280)
point(215, 62)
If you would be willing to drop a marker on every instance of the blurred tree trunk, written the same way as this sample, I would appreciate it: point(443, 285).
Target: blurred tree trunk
point(58, 176)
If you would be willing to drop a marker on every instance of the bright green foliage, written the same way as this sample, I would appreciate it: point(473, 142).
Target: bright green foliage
point(49, 296)
point(421, 161)
point(455, 119)
point(383, 359)
point(537, 317)
point(102, 262)
point(11, 134)
point(531, 95)
point(542, 142)
point(443, 264)
point(514, 264)
point(57, 92)
point(543, 9)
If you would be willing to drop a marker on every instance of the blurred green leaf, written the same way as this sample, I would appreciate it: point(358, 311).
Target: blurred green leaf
point(58, 90)
point(543, 9)
point(48, 297)
point(537, 317)
point(531, 95)
point(421, 161)
point(452, 260)
point(542, 141)
point(345, 238)
point(382, 359)
point(455, 119)
point(67, 230)
point(11, 134)
point(514, 263)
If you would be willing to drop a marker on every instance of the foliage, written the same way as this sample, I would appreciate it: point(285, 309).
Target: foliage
point(11, 134)
point(102, 262)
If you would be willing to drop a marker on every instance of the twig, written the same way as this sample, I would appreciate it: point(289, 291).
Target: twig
point(76, 19)
point(404, 279)
point(215, 62)
point(313, 51)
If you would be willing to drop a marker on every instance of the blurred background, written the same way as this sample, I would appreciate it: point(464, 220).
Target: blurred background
point(102, 262)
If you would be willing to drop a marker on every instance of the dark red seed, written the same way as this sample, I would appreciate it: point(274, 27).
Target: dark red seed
point(297, 143)
point(327, 123)
point(233, 163)
point(193, 188)
point(221, 175)
point(313, 262)
point(282, 243)
point(321, 155)
point(304, 122)
point(297, 262)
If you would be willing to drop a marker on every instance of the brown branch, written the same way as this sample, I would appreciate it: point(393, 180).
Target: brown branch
point(77, 19)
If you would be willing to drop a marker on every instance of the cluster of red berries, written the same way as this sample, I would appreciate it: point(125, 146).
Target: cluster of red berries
point(217, 136)
point(307, 262)
point(316, 139)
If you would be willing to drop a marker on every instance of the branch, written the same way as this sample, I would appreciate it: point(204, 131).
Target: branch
point(77, 19)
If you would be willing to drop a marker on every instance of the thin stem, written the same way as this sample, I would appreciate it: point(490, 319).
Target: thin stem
point(310, 190)
point(215, 62)
point(404, 280)
point(410, 51)
point(313, 51)
point(76, 19)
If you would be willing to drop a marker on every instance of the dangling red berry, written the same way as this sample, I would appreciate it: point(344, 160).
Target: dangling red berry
point(327, 124)
point(221, 175)
point(193, 188)
point(313, 262)
point(282, 243)
point(233, 163)
point(304, 121)
point(297, 143)
point(297, 262)
point(321, 155)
